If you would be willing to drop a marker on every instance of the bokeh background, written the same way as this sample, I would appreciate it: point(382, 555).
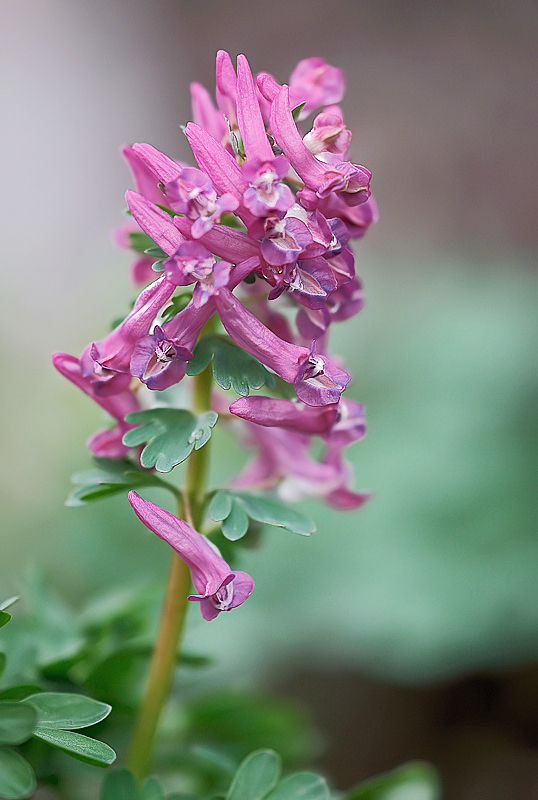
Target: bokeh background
point(410, 628)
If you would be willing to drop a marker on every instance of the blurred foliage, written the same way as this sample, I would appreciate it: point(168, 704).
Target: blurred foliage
point(435, 575)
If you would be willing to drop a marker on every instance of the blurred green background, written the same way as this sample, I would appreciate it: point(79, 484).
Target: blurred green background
point(433, 585)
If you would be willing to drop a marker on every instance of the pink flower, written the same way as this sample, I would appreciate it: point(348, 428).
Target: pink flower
point(316, 83)
point(219, 587)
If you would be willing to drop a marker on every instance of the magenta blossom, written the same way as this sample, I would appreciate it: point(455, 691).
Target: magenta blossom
point(329, 133)
point(219, 588)
point(192, 194)
point(316, 83)
point(293, 415)
point(283, 462)
point(317, 381)
point(114, 352)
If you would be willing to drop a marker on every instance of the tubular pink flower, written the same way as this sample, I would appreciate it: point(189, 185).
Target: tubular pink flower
point(317, 381)
point(158, 360)
point(328, 134)
point(226, 86)
point(216, 162)
point(251, 335)
point(114, 352)
point(266, 193)
point(350, 181)
point(283, 462)
point(155, 222)
point(164, 168)
point(106, 443)
point(192, 194)
point(227, 243)
point(145, 178)
point(191, 262)
point(219, 587)
point(316, 83)
point(249, 118)
point(205, 114)
point(267, 86)
point(272, 412)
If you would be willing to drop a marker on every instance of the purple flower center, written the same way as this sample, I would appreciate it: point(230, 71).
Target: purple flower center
point(223, 597)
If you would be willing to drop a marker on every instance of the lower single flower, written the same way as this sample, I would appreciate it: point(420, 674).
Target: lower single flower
point(219, 587)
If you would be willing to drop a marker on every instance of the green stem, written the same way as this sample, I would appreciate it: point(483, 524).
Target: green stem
point(173, 615)
point(162, 667)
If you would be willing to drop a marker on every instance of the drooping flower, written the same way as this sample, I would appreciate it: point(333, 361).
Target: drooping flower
point(283, 461)
point(219, 587)
point(317, 381)
point(114, 353)
point(316, 83)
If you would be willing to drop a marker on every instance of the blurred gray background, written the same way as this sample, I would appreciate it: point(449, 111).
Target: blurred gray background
point(422, 608)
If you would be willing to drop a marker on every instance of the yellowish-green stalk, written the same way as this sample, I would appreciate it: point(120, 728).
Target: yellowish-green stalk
point(167, 643)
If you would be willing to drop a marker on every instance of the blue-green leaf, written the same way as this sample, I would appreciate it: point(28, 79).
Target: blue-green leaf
point(220, 505)
point(414, 781)
point(234, 508)
point(170, 433)
point(77, 745)
point(4, 616)
point(231, 365)
point(155, 252)
point(59, 710)
point(3, 660)
point(256, 776)
point(17, 779)
point(120, 784)
point(152, 790)
point(235, 525)
point(273, 511)
point(16, 722)
point(110, 477)
point(301, 786)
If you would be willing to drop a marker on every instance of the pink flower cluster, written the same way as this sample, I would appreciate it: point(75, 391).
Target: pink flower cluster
point(261, 225)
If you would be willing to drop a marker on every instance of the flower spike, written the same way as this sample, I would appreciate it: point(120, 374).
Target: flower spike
point(219, 588)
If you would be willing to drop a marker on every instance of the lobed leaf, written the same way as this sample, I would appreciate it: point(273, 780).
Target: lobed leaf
point(233, 509)
point(232, 366)
point(235, 525)
point(273, 511)
point(110, 477)
point(170, 433)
